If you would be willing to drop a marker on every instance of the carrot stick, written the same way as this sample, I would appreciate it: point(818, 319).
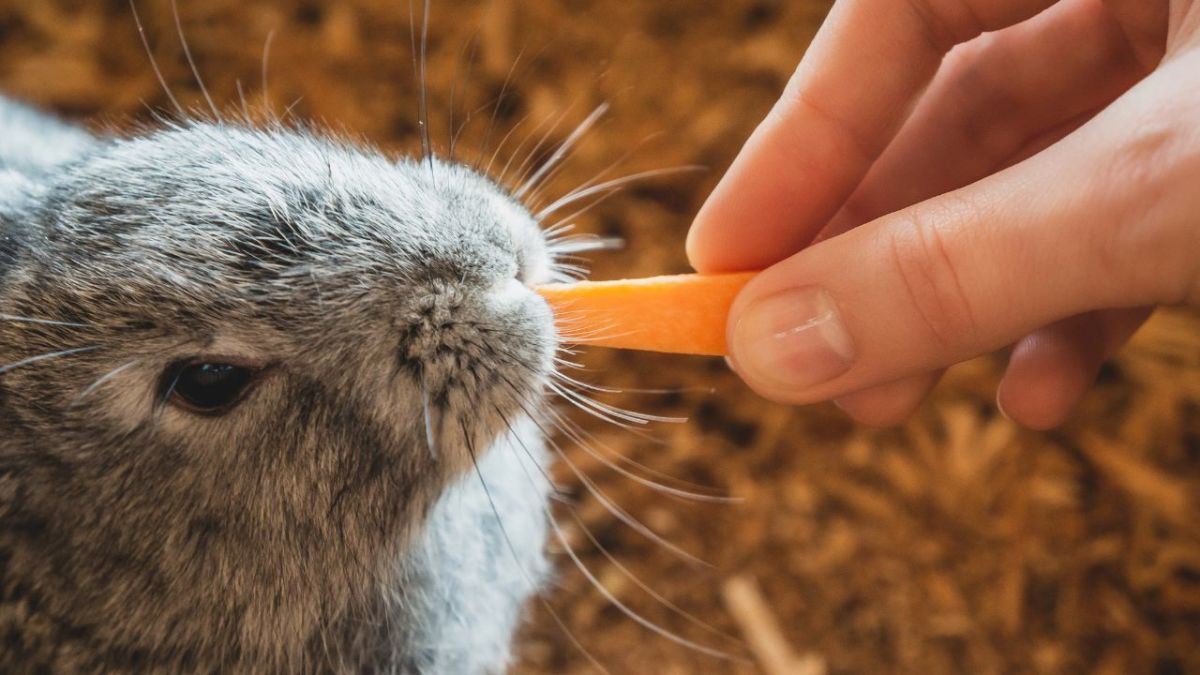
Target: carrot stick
point(681, 314)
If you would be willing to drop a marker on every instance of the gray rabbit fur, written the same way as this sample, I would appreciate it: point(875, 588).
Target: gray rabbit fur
point(321, 524)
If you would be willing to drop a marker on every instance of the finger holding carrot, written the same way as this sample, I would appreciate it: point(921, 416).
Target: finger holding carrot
point(974, 174)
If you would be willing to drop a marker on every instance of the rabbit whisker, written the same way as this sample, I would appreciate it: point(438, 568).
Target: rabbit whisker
point(527, 163)
point(513, 551)
point(266, 59)
point(473, 43)
point(571, 382)
point(43, 357)
point(427, 418)
point(625, 609)
point(561, 152)
point(141, 29)
point(625, 571)
point(535, 196)
point(48, 322)
point(502, 175)
point(104, 378)
point(557, 490)
point(581, 438)
point(584, 243)
point(584, 193)
point(622, 515)
point(658, 597)
point(487, 134)
point(559, 229)
point(242, 98)
point(487, 170)
point(187, 52)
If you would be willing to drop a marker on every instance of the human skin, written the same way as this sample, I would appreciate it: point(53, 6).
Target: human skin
point(944, 178)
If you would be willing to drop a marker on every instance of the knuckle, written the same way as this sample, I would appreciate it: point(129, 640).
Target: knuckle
point(930, 278)
point(839, 129)
point(1137, 161)
point(1150, 240)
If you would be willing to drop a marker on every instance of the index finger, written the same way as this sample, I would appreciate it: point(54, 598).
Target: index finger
point(855, 86)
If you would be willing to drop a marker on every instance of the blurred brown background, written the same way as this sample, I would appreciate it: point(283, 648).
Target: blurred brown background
point(956, 544)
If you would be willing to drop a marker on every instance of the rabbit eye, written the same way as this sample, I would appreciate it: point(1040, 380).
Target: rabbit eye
point(207, 388)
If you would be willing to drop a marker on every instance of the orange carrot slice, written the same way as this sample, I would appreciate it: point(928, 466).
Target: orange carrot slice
point(681, 314)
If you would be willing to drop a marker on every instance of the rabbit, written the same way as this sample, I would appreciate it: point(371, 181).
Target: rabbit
point(268, 403)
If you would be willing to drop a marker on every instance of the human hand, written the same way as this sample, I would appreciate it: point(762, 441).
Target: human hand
point(1039, 186)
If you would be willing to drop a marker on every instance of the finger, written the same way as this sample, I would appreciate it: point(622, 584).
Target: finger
point(993, 98)
point(889, 404)
point(992, 102)
point(1146, 26)
point(1050, 370)
point(857, 83)
point(1102, 219)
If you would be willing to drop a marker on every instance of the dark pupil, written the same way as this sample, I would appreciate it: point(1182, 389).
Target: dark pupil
point(211, 385)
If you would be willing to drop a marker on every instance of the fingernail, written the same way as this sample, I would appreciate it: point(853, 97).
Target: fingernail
point(793, 339)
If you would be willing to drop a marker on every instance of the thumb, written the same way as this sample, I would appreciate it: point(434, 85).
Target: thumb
point(976, 269)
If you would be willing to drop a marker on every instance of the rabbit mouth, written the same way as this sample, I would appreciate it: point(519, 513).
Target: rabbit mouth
point(462, 412)
point(481, 361)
